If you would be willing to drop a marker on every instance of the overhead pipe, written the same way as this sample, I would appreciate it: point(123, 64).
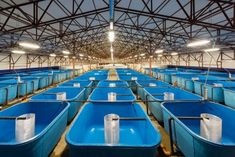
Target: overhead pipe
point(111, 10)
point(111, 23)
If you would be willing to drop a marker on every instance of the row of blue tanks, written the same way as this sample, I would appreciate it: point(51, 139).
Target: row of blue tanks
point(86, 103)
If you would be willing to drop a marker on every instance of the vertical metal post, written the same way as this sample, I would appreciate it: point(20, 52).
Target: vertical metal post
point(73, 67)
point(9, 61)
point(150, 58)
point(150, 66)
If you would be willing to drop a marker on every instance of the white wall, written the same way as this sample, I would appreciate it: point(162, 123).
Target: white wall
point(21, 62)
point(4, 64)
point(207, 61)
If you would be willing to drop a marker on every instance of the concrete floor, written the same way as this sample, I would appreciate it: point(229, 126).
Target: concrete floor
point(61, 149)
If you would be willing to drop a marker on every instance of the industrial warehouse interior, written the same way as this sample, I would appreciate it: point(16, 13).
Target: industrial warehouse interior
point(117, 78)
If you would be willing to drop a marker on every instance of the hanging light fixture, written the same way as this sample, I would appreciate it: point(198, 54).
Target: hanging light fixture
point(111, 25)
point(66, 56)
point(212, 49)
point(53, 55)
point(159, 51)
point(18, 51)
point(65, 52)
point(111, 49)
point(111, 36)
point(174, 53)
point(198, 43)
point(28, 44)
point(81, 55)
point(111, 33)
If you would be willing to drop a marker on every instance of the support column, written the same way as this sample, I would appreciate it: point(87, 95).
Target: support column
point(73, 67)
point(150, 66)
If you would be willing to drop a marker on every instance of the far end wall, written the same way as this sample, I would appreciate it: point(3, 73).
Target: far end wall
point(219, 60)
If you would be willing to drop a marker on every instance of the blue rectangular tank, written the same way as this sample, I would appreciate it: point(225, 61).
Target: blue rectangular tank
point(175, 77)
point(215, 89)
point(100, 95)
point(86, 85)
point(148, 83)
point(186, 132)
point(27, 86)
point(109, 83)
point(92, 77)
point(187, 82)
point(138, 138)
point(34, 83)
point(131, 80)
point(59, 76)
point(157, 95)
point(73, 95)
point(155, 74)
point(166, 75)
point(219, 74)
point(8, 92)
point(44, 80)
point(50, 119)
point(229, 96)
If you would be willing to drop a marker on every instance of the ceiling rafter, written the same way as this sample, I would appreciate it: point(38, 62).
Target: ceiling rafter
point(82, 25)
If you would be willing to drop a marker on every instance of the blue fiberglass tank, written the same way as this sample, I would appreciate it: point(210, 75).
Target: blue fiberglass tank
point(138, 138)
point(141, 84)
point(166, 75)
point(192, 71)
point(187, 82)
point(155, 72)
point(55, 76)
point(59, 76)
point(186, 133)
point(175, 77)
point(73, 95)
point(219, 74)
point(125, 70)
point(69, 73)
point(33, 83)
point(229, 96)
point(129, 72)
point(77, 72)
point(215, 89)
point(98, 73)
point(27, 86)
point(87, 85)
point(21, 74)
point(50, 119)
point(112, 83)
point(156, 95)
point(147, 71)
point(44, 79)
point(100, 95)
point(131, 79)
point(8, 92)
point(95, 77)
